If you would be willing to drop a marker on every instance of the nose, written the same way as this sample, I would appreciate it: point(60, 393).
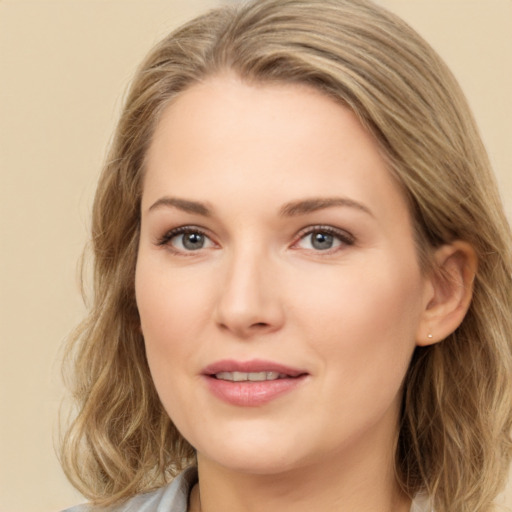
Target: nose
point(249, 301)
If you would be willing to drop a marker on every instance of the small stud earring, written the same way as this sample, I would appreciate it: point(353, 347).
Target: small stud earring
point(429, 336)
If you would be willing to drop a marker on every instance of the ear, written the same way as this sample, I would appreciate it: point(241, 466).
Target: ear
point(449, 292)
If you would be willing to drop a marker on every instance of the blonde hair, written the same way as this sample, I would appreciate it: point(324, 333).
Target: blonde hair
point(454, 440)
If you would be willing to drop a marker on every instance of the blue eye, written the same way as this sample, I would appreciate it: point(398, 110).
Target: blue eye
point(324, 239)
point(190, 241)
point(186, 239)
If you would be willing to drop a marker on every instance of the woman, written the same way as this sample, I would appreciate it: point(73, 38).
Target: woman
point(302, 277)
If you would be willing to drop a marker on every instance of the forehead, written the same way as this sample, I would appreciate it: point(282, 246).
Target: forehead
point(224, 135)
point(259, 110)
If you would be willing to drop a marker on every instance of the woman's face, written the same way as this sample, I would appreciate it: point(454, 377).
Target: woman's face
point(277, 281)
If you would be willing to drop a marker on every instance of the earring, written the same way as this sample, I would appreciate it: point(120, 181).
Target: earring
point(429, 336)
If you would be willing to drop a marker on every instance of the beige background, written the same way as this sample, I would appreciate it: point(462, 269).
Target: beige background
point(63, 67)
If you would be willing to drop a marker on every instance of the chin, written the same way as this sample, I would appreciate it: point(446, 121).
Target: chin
point(253, 454)
point(256, 464)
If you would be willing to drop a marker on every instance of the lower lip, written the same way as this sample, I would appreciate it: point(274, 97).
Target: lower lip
point(251, 394)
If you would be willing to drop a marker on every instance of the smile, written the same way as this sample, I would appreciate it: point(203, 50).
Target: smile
point(251, 383)
point(250, 376)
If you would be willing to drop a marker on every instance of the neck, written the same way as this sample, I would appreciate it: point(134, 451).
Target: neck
point(339, 483)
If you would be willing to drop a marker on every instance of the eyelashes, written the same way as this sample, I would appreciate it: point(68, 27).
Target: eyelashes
point(324, 238)
point(186, 240)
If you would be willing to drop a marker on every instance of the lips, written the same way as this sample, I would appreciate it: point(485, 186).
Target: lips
point(250, 376)
point(251, 383)
point(253, 366)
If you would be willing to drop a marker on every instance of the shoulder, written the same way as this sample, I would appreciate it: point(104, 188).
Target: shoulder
point(171, 498)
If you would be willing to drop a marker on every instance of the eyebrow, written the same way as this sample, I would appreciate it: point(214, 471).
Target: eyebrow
point(185, 205)
point(291, 209)
point(305, 206)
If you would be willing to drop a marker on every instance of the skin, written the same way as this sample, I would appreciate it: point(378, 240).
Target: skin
point(258, 288)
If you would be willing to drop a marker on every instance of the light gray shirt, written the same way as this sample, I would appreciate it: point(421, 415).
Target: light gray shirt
point(174, 498)
point(171, 498)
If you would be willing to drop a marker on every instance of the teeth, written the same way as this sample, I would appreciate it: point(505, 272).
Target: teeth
point(249, 376)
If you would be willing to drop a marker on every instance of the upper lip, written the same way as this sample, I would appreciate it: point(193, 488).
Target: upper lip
point(254, 365)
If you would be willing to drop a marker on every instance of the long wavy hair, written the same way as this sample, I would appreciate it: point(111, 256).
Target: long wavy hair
point(454, 440)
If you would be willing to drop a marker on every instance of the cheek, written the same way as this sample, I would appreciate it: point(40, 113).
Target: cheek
point(369, 297)
point(364, 334)
point(365, 321)
point(168, 313)
point(169, 303)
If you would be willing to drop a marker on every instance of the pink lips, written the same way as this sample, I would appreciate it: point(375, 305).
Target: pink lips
point(251, 393)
